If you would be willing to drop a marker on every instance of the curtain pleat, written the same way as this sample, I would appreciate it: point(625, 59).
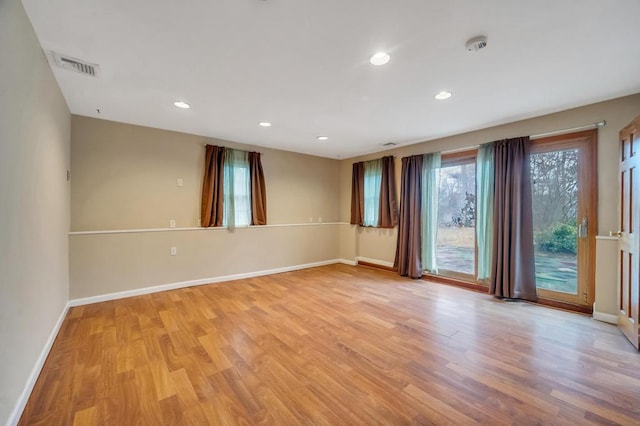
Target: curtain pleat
point(212, 203)
point(429, 216)
point(513, 267)
point(484, 208)
point(258, 190)
point(409, 245)
point(388, 217)
point(357, 194)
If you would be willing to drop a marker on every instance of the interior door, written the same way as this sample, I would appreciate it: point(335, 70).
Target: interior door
point(629, 243)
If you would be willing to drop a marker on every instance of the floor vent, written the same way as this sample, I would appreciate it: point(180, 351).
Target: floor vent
point(75, 64)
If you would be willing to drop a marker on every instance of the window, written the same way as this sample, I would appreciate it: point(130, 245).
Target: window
point(233, 188)
point(372, 183)
point(373, 193)
point(456, 234)
point(237, 189)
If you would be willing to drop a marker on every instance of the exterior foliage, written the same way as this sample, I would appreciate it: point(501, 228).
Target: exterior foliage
point(554, 187)
point(561, 238)
point(467, 215)
point(457, 199)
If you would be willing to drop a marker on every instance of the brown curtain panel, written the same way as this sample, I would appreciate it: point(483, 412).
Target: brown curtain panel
point(258, 192)
point(357, 194)
point(388, 217)
point(513, 267)
point(212, 205)
point(408, 260)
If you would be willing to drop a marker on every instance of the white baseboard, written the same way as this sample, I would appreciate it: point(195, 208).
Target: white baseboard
point(191, 283)
point(374, 261)
point(601, 316)
point(15, 415)
point(348, 262)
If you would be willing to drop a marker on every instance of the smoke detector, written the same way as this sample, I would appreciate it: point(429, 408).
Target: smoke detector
point(75, 64)
point(476, 43)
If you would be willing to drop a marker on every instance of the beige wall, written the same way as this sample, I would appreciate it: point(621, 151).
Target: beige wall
point(109, 263)
point(34, 192)
point(124, 177)
point(378, 244)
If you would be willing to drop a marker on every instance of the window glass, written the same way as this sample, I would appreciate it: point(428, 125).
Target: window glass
point(554, 188)
point(237, 189)
point(455, 248)
point(372, 183)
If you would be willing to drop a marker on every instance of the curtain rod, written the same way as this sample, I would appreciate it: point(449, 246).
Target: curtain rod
point(205, 144)
point(595, 125)
point(466, 148)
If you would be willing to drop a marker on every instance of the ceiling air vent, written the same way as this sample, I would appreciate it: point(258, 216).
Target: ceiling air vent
point(389, 144)
point(75, 64)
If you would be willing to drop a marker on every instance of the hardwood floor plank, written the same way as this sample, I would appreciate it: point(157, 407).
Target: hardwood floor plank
point(278, 409)
point(513, 389)
point(470, 398)
point(147, 395)
point(587, 404)
point(162, 384)
point(233, 407)
point(215, 353)
point(88, 416)
point(184, 388)
point(172, 412)
point(438, 406)
point(333, 345)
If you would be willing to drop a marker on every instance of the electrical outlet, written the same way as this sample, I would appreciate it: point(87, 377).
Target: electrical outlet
point(319, 219)
point(172, 223)
point(180, 182)
point(173, 251)
point(310, 219)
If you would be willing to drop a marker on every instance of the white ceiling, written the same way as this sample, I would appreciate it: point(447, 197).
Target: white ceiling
point(303, 65)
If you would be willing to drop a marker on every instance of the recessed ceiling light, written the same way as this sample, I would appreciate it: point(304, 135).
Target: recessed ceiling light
point(443, 95)
point(323, 138)
point(181, 104)
point(380, 58)
point(264, 124)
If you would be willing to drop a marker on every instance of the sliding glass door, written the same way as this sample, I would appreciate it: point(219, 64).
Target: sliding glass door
point(563, 183)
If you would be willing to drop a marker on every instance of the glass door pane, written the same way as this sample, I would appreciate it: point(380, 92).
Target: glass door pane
point(554, 184)
point(455, 247)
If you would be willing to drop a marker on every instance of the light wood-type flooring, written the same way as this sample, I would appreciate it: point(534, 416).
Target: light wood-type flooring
point(333, 345)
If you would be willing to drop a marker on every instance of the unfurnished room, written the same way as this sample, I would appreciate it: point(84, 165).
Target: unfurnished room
point(295, 212)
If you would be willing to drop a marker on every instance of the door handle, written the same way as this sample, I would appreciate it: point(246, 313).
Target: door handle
point(583, 228)
point(615, 234)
